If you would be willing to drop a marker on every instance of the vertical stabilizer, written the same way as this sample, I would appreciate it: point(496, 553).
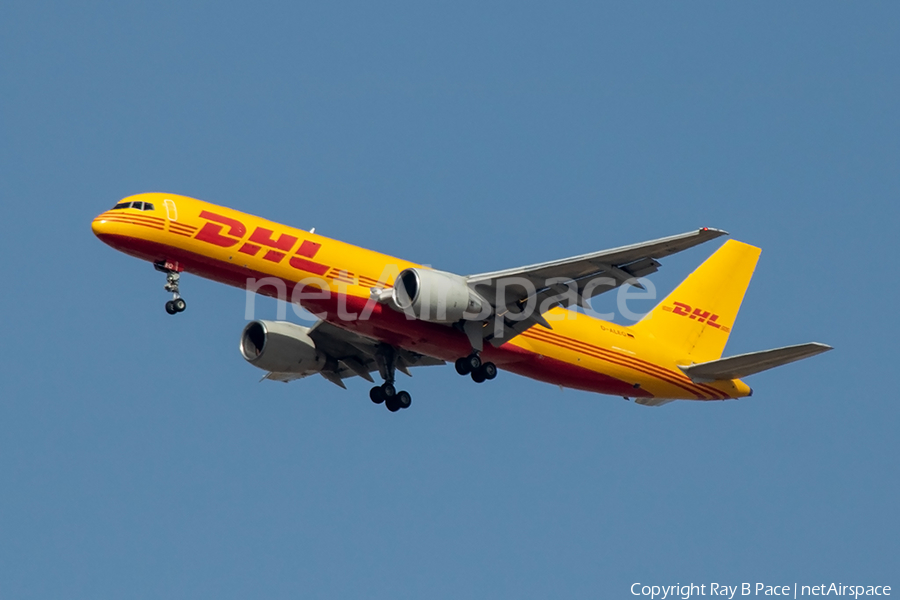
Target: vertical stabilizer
point(697, 317)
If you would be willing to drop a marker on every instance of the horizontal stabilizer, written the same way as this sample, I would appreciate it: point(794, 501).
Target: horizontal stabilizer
point(742, 365)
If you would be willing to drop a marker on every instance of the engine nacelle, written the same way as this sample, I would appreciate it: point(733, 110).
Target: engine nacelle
point(436, 296)
point(280, 347)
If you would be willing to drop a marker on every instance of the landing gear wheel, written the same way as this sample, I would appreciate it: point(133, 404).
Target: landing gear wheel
point(173, 277)
point(462, 365)
point(478, 376)
point(375, 395)
point(489, 370)
point(386, 357)
point(474, 362)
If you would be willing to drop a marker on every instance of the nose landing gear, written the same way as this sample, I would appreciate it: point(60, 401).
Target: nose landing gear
point(173, 307)
point(173, 275)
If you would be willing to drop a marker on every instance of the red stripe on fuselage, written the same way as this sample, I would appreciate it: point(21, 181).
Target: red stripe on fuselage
point(127, 221)
point(617, 359)
point(120, 215)
point(678, 379)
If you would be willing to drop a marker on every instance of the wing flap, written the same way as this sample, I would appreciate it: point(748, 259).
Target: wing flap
point(742, 365)
point(642, 268)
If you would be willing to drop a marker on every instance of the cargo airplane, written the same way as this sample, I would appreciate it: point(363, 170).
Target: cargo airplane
point(379, 314)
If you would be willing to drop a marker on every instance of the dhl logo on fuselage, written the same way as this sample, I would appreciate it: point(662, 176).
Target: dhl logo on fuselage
point(685, 310)
point(226, 232)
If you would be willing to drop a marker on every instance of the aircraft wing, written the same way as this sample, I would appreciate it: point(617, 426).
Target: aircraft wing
point(573, 280)
point(742, 365)
point(350, 355)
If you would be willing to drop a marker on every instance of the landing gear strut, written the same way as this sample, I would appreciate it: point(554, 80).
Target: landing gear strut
point(177, 303)
point(387, 393)
point(472, 365)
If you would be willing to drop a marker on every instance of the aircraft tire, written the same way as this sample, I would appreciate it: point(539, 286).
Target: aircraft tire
point(404, 400)
point(474, 362)
point(462, 365)
point(375, 395)
point(392, 404)
point(388, 391)
point(179, 305)
point(489, 369)
point(478, 376)
point(170, 307)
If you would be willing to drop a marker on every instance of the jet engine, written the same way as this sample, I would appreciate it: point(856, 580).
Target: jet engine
point(280, 347)
point(436, 296)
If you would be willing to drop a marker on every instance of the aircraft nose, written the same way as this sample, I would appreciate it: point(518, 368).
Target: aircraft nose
point(97, 226)
point(100, 226)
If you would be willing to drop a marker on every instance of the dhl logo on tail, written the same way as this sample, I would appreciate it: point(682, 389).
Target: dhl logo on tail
point(685, 310)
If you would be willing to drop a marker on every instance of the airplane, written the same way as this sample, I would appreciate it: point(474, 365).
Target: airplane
point(380, 314)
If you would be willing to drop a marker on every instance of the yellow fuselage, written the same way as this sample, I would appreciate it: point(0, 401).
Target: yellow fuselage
point(243, 250)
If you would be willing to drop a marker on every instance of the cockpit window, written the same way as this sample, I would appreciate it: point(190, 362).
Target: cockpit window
point(137, 205)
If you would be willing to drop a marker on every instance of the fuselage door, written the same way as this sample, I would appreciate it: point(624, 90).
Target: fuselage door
point(171, 209)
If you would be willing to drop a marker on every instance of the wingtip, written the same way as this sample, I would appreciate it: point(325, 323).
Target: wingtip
point(714, 231)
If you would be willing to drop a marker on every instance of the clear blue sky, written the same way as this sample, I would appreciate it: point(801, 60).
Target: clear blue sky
point(141, 458)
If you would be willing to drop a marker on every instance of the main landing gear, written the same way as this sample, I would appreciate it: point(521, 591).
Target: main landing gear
point(472, 365)
point(177, 303)
point(387, 392)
